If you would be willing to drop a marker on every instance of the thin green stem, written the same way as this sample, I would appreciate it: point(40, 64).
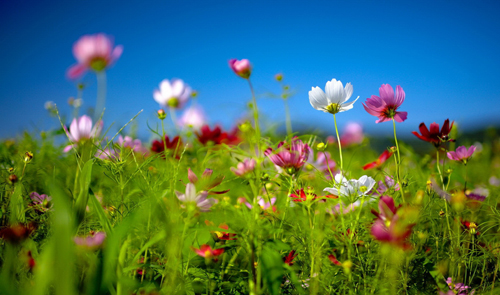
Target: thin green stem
point(255, 116)
point(287, 118)
point(439, 169)
point(398, 164)
point(340, 145)
point(101, 95)
point(173, 116)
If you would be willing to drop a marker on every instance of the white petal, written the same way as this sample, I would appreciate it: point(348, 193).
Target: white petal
point(166, 88)
point(318, 99)
point(177, 88)
point(334, 91)
point(190, 192)
point(348, 91)
point(159, 98)
point(331, 190)
point(347, 106)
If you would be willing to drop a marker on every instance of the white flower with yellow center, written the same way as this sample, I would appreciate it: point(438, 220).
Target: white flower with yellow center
point(334, 100)
point(353, 187)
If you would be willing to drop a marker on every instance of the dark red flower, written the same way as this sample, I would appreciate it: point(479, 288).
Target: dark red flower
point(17, 233)
point(217, 136)
point(175, 145)
point(289, 258)
point(433, 135)
point(378, 163)
point(334, 260)
point(224, 235)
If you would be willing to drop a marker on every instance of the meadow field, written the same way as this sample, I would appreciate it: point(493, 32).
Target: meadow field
point(204, 209)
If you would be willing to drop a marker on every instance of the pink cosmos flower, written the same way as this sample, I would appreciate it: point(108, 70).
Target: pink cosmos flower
point(81, 129)
point(247, 166)
point(124, 142)
point(324, 163)
point(193, 117)
point(93, 241)
point(242, 68)
point(207, 252)
point(353, 134)
point(459, 288)
point(462, 154)
point(385, 106)
point(289, 156)
point(200, 200)
point(387, 228)
point(173, 94)
point(263, 204)
point(386, 185)
point(94, 52)
point(41, 202)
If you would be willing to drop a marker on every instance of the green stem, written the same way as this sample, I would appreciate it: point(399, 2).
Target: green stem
point(255, 116)
point(398, 163)
point(439, 169)
point(173, 116)
point(101, 95)
point(340, 146)
point(288, 119)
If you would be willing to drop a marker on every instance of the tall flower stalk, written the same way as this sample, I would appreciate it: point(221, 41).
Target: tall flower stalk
point(385, 108)
point(333, 101)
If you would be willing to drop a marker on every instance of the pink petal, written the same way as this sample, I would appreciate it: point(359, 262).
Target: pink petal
point(387, 94)
point(76, 71)
point(400, 116)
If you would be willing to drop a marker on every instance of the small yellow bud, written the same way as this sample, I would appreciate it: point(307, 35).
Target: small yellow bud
point(321, 146)
point(194, 93)
point(28, 156)
point(441, 213)
point(278, 77)
point(161, 114)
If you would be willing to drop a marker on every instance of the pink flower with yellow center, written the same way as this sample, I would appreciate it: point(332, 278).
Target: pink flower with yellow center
point(385, 107)
point(462, 154)
point(173, 94)
point(93, 52)
point(207, 252)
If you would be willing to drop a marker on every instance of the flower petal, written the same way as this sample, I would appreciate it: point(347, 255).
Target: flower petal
point(318, 99)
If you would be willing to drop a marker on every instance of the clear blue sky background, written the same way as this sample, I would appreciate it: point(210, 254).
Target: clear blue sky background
point(445, 54)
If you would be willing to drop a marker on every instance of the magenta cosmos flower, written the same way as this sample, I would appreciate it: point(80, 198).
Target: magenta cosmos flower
point(207, 252)
point(462, 154)
point(385, 106)
point(289, 156)
point(245, 167)
point(81, 130)
point(172, 94)
point(94, 241)
point(242, 68)
point(94, 52)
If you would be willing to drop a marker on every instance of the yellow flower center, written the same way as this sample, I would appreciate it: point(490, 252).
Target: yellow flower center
point(333, 108)
point(173, 102)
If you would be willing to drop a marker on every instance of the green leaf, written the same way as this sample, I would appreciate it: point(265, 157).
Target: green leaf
point(83, 191)
point(272, 269)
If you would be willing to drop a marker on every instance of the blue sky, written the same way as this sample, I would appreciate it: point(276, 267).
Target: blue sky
point(443, 53)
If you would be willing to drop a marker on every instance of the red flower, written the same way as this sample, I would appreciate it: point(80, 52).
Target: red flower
point(174, 144)
point(17, 233)
point(224, 235)
point(378, 163)
point(217, 136)
point(289, 258)
point(334, 260)
point(207, 252)
point(433, 135)
point(301, 196)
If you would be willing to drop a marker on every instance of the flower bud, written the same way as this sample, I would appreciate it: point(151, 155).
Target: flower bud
point(11, 170)
point(278, 77)
point(161, 114)
point(393, 149)
point(12, 178)
point(242, 68)
point(321, 146)
point(194, 93)
point(28, 156)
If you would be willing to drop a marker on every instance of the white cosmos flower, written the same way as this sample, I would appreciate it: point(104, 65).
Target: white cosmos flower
point(334, 101)
point(353, 187)
point(173, 94)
